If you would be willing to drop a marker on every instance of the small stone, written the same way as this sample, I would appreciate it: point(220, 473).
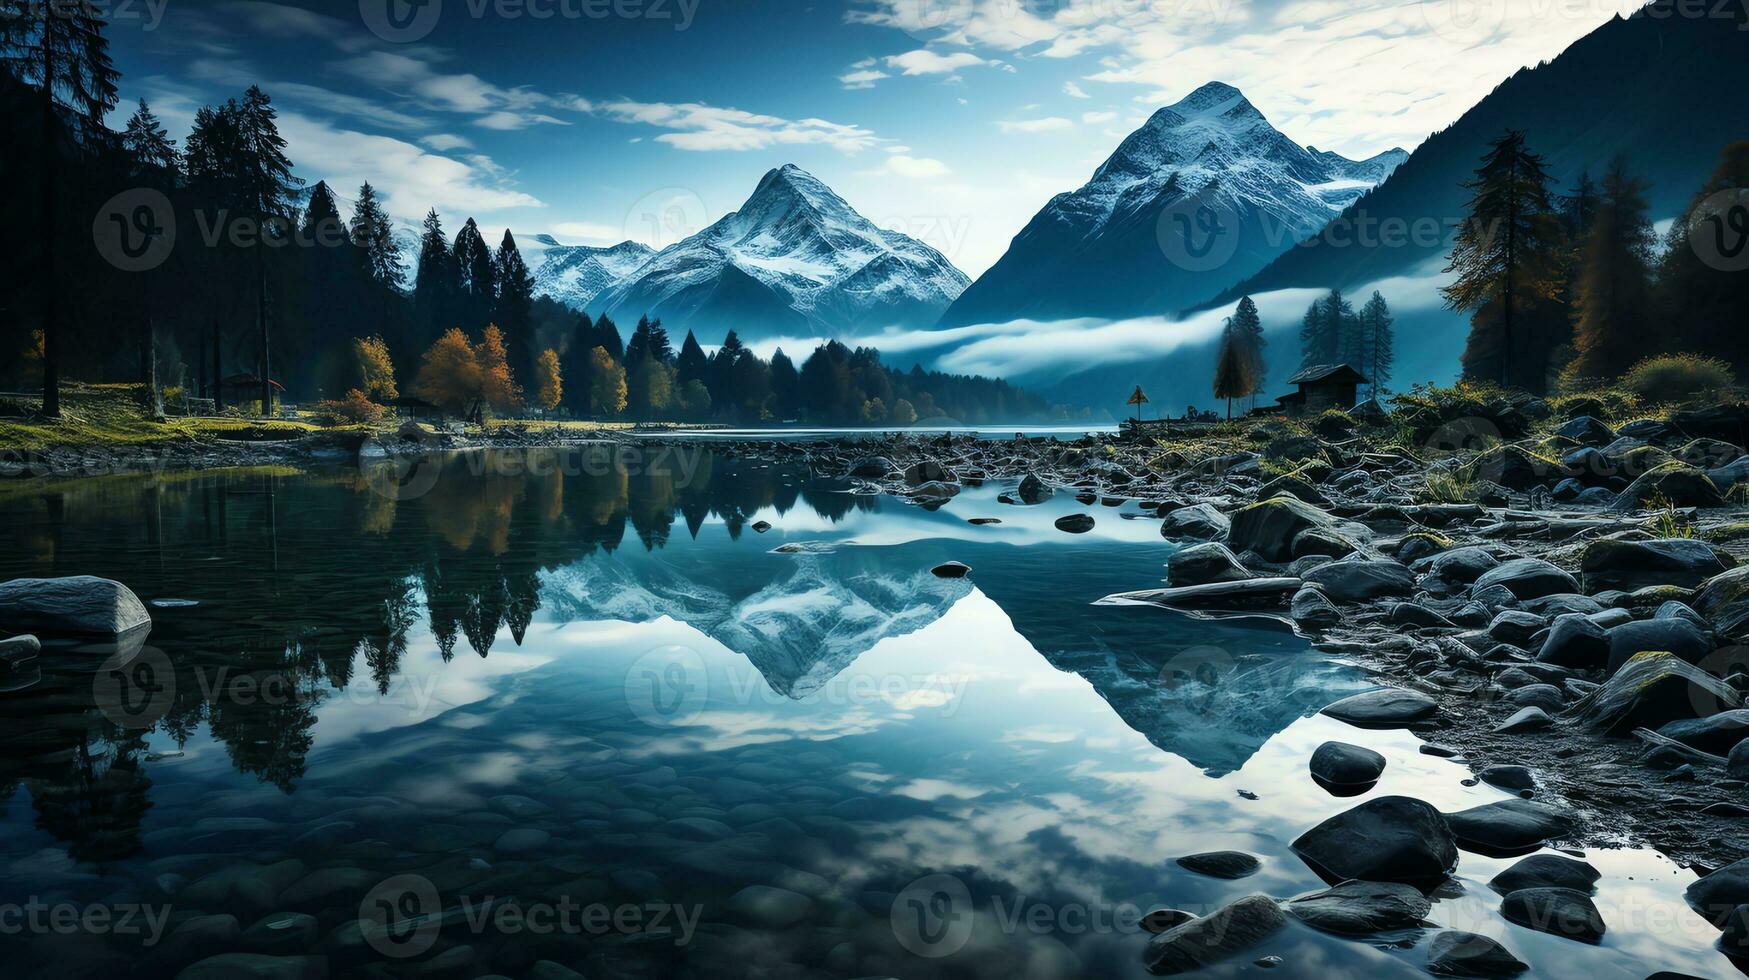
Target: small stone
point(1392, 707)
point(1221, 864)
point(1075, 523)
point(1358, 908)
point(1525, 720)
point(1546, 871)
point(951, 569)
point(1342, 765)
point(1557, 911)
point(1454, 953)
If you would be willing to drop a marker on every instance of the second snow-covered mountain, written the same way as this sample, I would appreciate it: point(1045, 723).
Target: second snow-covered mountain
point(795, 260)
point(1204, 194)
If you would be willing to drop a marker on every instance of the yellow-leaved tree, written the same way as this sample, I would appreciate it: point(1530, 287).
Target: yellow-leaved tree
point(498, 387)
point(607, 383)
point(449, 374)
point(548, 389)
point(376, 370)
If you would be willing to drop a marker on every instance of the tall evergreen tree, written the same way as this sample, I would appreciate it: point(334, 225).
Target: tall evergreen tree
point(1248, 333)
point(1232, 367)
point(693, 365)
point(148, 145)
point(515, 306)
point(265, 185)
point(722, 373)
point(60, 50)
point(1377, 346)
point(1703, 290)
point(374, 234)
point(607, 338)
point(434, 283)
point(152, 159)
point(1506, 255)
point(1613, 292)
point(785, 386)
point(476, 278)
point(1327, 334)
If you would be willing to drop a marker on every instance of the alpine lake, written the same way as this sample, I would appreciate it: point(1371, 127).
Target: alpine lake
point(527, 713)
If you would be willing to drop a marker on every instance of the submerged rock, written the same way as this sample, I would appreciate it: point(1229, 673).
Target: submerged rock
point(1359, 908)
point(1546, 871)
point(1391, 838)
point(1507, 826)
point(1221, 864)
point(1455, 953)
point(1717, 895)
point(75, 604)
point(1563, 912)
point(1208, 940)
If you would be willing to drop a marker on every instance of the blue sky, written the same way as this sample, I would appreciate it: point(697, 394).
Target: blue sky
point(950, 120)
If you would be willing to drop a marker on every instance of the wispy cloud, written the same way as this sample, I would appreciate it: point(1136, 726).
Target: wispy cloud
point(1044, 125)
point(926, 62)
point(1074, 91)
point(697, 126)
point(915, 168)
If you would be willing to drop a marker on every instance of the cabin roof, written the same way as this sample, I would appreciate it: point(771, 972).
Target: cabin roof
point(1329, 374)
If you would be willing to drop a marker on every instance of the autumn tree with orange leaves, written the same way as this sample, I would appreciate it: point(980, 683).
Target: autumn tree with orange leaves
point(461, 376)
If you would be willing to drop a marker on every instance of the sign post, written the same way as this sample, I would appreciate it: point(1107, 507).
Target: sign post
point(1138, 399)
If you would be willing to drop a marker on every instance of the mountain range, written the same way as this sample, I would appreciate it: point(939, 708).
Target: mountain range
point(1126, 243)
point(794, 260)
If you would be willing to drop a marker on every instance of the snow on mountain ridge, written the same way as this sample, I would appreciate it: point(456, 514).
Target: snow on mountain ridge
point(794, 256)
point(575, 274)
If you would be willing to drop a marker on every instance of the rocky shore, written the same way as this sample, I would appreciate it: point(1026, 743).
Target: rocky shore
point(1555, 601)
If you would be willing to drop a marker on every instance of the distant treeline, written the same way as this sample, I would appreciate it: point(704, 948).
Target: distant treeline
point(209, 265)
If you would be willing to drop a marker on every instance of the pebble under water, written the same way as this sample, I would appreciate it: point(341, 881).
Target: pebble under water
point(568, 710)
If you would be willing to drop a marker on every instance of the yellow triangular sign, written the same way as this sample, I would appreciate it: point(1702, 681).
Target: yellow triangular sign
point(1138, 398)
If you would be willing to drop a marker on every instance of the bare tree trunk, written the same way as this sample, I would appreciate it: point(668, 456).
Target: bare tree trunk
point(261, 322)
point(50, 311)
point(218, 390)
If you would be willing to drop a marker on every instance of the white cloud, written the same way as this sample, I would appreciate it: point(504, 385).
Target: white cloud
point(1074, 91)
point(862, 78)
point(1095, 118)
point(442, 142)
point(1044, 125)
point(409, 178)
point(1357, 77)
point(696, 126)
point(496, 107)
point(917, 168)
point(926, 62)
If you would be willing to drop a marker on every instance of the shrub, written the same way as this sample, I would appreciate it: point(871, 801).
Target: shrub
point(355, 407)
point(1679, 377)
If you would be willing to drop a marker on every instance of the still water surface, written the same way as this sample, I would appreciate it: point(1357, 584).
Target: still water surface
point(580, 710)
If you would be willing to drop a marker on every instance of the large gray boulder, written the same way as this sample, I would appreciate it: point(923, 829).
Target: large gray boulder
point(1674, 482)
point(1630, 565)
point(1724, 602)
point(1358, 581)
point(1392, 707)
point(1507, 826)
point(1455, 953)
point(1716, 895)
point(1546, 871)
point(1650, 690)
point(1390, 838)
point(1556, 911)
point(1201, 522)
point(1203, 564)
point(1268, 528)
point(1202, 942)
point(77, 604)
point(1678, 636)
point(1575, 641)
point(1717, 734)
point(1361, 908)
point(1527, 578)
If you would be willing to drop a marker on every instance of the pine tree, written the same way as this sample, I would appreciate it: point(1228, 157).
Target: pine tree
point(150, 147)
point(693, 365)
point(1701, 302)
point(374, 234)
point(515, 305)
point(1506, 255)
point(1233, 367)
point(1327, 334)
point(434, 279)
point(265, 185)
point(607, 338)
point(1377, 343)
point(1248, 333)
point(476, 277)
point(721, 383)
point(607, 383)
point(60, 50)
point(1613, 292)
point(785, 386)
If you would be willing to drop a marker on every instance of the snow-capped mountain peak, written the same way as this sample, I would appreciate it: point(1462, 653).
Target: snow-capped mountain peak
point(794, 257)
point(575, 274)
point(1106, 249)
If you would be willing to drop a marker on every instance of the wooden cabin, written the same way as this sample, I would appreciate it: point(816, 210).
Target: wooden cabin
point(1322, 387)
